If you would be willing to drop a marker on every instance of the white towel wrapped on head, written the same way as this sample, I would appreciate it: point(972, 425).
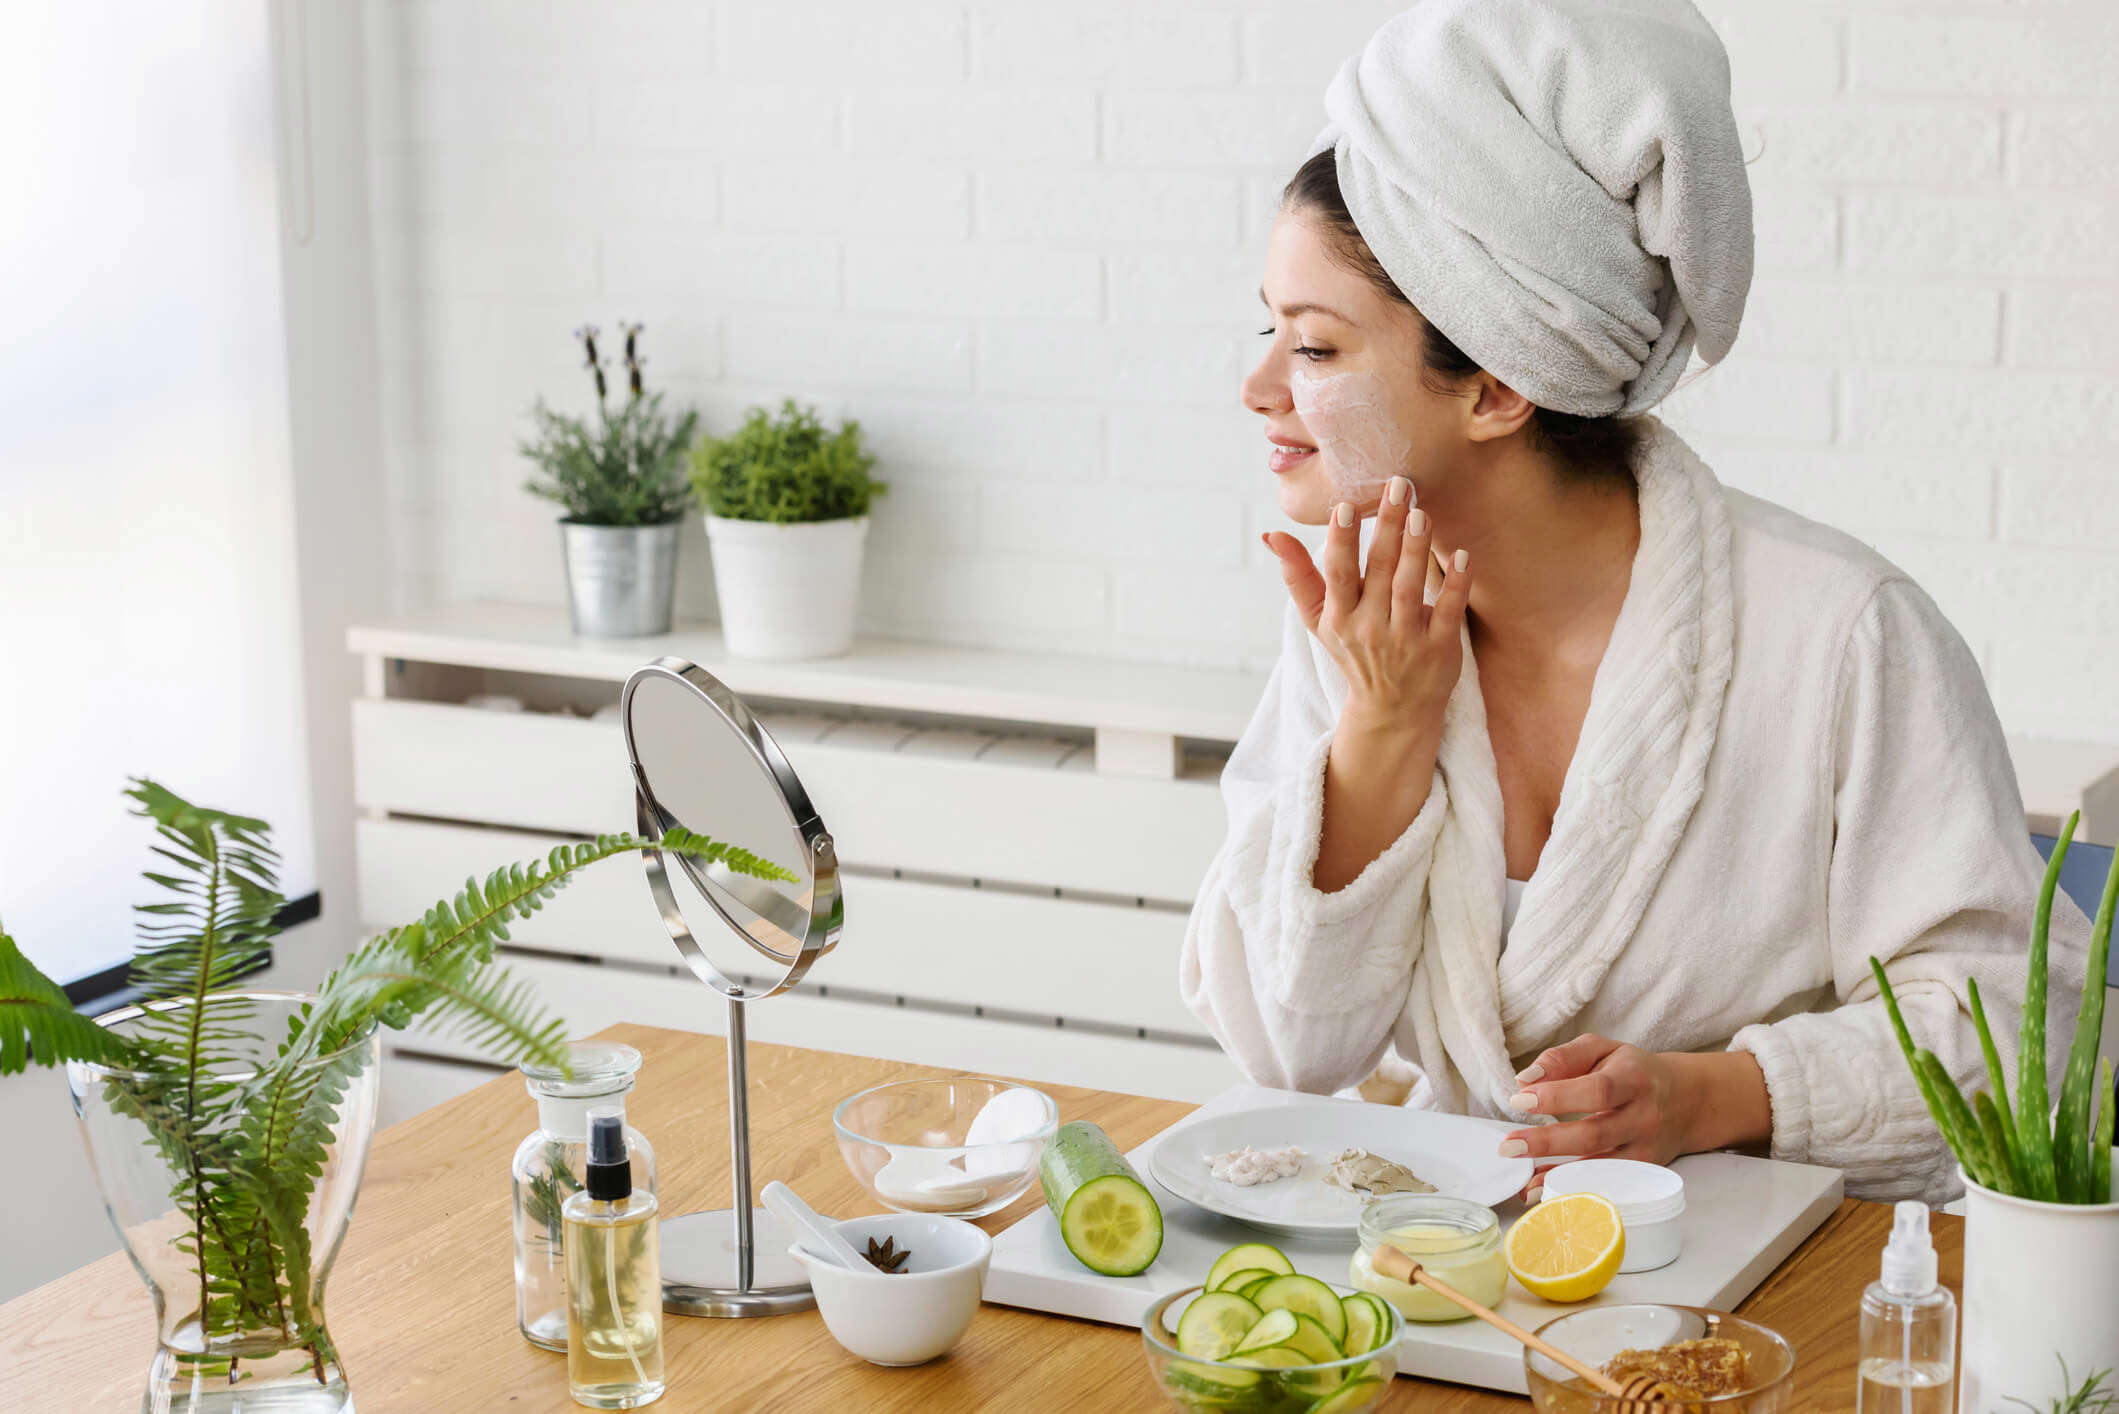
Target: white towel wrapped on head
point(1557, 185)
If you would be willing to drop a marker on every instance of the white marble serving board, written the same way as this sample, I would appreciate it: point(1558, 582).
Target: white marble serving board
point(1743, 1216)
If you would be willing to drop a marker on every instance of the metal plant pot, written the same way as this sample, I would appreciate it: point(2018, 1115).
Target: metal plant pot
point(621, 579)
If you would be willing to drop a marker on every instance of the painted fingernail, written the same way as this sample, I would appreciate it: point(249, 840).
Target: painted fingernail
point(1345, 514)
point(1530, 1074)
point(1464, 558)
point(1416, 521)
point(1514, 1148)
point(1533, 1196)
point(1523, 1103)
point(1400, 488)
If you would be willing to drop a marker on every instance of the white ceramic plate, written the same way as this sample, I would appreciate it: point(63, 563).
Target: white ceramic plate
point(1453, 1152)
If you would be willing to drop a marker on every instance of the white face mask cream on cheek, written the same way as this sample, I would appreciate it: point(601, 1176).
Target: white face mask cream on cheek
point(1359, 443)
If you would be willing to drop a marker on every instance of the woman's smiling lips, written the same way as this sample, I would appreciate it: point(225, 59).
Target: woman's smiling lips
point(1286, 454)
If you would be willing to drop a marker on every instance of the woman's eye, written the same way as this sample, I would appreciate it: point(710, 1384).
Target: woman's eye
point(1266, 332)
point(1314, 355)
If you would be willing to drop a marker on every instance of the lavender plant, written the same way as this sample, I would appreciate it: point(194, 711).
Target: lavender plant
point(624, 466)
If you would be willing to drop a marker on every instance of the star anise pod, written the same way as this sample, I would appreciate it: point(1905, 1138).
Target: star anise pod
point(887, 1257)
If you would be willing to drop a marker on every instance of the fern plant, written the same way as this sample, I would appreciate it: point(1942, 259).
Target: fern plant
point(246, 1138)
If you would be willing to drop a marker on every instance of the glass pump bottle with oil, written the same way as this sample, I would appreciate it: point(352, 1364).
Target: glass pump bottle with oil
point(614, 1278)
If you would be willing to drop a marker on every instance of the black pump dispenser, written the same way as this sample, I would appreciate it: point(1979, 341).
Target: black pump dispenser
point(610, 1167)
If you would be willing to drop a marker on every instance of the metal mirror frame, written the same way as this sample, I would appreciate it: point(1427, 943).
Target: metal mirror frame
point(818, 934)
point(826, 914)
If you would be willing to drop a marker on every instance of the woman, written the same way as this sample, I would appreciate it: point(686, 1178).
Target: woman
point(1591, 791)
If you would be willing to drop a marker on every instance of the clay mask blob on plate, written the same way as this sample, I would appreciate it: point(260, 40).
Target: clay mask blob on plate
point(1359, 442)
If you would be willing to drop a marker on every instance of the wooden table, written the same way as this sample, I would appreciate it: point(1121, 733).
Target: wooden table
point(422, 1302)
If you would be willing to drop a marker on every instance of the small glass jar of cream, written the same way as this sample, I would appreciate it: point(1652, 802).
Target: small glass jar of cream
point(1458, 1241)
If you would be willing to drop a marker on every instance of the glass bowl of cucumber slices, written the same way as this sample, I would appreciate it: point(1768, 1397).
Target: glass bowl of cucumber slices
point(1257, 1337)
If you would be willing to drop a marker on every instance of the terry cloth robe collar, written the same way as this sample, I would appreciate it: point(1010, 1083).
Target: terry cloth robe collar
point(1637, 772)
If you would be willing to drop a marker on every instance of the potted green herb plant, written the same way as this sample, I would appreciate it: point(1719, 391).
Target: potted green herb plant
point(2041, 1246)
point(786, 516)
point(228, 1126)
point(620, 478)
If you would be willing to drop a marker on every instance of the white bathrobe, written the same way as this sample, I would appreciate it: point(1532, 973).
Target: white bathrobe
point(1789, 763)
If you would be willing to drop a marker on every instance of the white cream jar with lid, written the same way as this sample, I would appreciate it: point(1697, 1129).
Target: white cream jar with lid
point(1649, 1197)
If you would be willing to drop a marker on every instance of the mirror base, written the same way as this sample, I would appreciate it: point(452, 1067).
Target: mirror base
point(699, 1267)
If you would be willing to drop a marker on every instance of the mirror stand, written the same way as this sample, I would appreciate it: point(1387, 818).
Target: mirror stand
point(701, 760)
point(711, 1261)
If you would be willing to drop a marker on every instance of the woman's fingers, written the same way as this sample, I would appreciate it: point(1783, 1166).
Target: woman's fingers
point(1447, 619)
point(1605, 1088)
point(1383, 546)
point(1299, 573)
point(1342, 560)
point(1577, 1138)
point(1409, 582)
point(1564, 1062)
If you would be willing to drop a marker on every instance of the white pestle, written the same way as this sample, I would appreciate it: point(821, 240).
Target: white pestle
point(817, 1232)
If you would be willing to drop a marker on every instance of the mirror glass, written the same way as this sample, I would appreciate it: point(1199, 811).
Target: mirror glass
point(702, 761)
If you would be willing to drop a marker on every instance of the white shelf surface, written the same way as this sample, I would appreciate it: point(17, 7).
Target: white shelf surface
point(1048, 689)
point(898, 674)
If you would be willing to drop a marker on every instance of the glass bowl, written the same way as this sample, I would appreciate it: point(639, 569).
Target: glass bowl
point(961, 1147)
point(1595, 1334)
point(1192, 1383)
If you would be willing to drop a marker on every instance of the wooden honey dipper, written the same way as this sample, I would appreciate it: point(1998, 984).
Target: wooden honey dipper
point(1638, 1395)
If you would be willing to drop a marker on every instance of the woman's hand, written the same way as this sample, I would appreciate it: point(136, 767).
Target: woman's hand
point(1636, 1104)
point(1400, 656)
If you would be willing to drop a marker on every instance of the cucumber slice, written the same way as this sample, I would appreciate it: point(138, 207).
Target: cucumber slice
point(1250, 1289)
point(1270, 1329)
point(1107, 1217)
point(1270, 1357)
point(1112, 1226)
point(1237, 1281)
point(1311, 1340)
point(1307, 1385)
point(1347, 1397)
point(1213, 1324)
point(1382, 1313)
point(1306, 1296)
point(1248, 1256)
point(1207, 1386)
point(1360, 1325)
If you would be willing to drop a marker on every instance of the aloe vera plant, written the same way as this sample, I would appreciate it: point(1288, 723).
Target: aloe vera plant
point(2064, 1156)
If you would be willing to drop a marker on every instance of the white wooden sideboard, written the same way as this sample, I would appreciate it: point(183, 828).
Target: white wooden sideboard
point(1022, 836)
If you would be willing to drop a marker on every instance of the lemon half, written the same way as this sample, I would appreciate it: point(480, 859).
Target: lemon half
point(1567, 1248)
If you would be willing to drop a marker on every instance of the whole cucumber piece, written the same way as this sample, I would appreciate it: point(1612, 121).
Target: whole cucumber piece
point(1107, 1217)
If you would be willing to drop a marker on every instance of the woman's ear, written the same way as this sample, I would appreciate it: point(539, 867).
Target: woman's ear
point(1496, 410)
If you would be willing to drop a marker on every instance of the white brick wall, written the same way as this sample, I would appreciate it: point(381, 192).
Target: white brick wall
point(1021, 242)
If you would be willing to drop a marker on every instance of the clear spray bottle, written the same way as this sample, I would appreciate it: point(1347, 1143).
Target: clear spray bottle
point(1908, 1327)
point(614, 1278)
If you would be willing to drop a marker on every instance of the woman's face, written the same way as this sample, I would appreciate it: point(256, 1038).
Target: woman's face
point(1339, 384)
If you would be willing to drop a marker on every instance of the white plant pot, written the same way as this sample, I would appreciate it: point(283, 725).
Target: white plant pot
point(2041, 1285)
point(786, 591)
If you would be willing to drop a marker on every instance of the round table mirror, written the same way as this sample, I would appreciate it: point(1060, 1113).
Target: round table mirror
point(748, 918)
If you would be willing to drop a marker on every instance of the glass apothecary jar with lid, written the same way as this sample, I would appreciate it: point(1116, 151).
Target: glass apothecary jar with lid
point(1458, 1241)
point(549, 1169)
